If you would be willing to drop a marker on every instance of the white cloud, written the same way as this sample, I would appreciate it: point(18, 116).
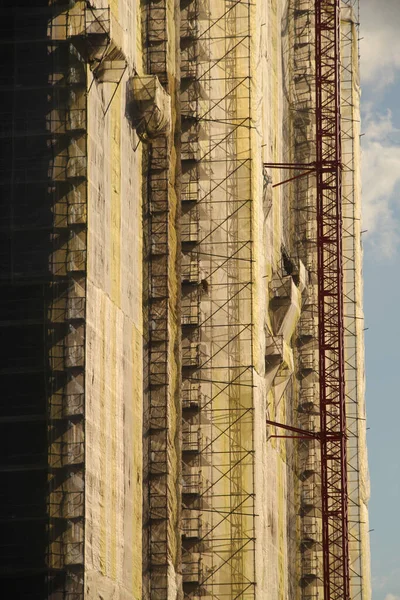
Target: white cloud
point(380, 42)
point(392, 597)
point(379, 126)
point(380, 56)
point(380, 177)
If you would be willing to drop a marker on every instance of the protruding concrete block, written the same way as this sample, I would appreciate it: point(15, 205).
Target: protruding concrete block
point(149, 106)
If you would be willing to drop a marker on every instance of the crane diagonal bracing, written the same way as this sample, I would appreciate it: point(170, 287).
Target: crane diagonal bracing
point(330, 300)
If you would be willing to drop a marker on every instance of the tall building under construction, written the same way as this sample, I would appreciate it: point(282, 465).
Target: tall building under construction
point(182, 360)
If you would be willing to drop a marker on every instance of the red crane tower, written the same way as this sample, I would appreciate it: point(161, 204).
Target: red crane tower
point(328, 168)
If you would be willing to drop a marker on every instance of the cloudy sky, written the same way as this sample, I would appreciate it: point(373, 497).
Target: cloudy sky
point(380, 71)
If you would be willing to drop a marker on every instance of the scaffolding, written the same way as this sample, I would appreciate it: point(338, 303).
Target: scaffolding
point(157, 36)
point(217, 369)
point(158, 219)
point(319, 131)
point(302, 109)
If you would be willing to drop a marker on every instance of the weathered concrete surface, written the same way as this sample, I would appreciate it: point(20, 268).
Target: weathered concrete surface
point(114, 334)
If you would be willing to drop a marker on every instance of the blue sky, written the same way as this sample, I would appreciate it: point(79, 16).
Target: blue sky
point(380, 72)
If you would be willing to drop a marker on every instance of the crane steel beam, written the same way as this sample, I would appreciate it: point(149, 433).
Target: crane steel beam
point(328, 169)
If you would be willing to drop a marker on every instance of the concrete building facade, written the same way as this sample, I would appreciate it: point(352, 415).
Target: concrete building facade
point(160, 247)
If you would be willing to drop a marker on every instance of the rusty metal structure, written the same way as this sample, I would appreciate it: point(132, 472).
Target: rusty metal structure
point(335, 540)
